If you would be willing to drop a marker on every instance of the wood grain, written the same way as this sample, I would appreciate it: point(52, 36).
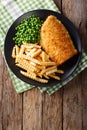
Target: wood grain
point(10, 102)
point(52, 111)
point(32, 110)
point(41, 111)
point(73, 113)
point(1, 88)
point(84, 100)
point(59, 4)
point(83, 32)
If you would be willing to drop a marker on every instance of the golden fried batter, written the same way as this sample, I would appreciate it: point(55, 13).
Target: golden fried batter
point(56, 41)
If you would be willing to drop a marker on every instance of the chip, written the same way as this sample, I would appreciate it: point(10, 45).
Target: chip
point(35, 63)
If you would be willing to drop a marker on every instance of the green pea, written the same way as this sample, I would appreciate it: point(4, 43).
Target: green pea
point(28, 30)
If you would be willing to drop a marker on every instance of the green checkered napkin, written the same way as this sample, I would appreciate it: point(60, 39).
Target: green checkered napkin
point(11, 10)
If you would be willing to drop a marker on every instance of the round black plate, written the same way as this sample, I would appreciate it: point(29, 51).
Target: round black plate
point(68, 66)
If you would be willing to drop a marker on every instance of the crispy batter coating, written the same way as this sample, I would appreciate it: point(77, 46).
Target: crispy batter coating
point(56, 41)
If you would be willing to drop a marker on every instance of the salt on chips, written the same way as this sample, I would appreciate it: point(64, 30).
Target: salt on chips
point(35, 63)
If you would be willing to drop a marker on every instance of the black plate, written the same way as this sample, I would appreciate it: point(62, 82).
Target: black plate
point(68, 66)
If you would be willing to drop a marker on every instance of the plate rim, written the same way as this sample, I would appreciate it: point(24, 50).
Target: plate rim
point(36, 82)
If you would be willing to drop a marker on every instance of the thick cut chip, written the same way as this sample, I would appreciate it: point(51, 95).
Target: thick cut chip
point(56, 41)
point(33, 77)
point(35, 63)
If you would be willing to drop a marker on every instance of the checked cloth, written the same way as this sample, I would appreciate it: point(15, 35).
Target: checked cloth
point(11, 10)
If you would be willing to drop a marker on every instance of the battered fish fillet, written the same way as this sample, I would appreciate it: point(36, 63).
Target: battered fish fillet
point(56, 41)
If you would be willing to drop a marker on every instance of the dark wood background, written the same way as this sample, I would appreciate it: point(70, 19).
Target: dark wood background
point(66, 109)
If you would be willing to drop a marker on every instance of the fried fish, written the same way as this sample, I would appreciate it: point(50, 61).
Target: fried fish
point(56, 41)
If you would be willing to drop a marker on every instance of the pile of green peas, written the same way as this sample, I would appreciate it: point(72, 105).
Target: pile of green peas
point(28, 30)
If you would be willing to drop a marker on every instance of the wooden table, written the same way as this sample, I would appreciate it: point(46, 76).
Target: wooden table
point(66, 109)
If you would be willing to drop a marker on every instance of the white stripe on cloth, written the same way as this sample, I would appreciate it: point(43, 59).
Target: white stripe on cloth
point(5, 2)
point(12, 8)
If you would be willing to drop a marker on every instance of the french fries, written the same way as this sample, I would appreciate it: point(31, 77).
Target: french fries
point(35, 63)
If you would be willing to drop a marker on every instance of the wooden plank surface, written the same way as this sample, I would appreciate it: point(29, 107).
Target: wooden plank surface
point(32, 110)
point(72, 114)
point(84, 100)
point(52, 111)
point(10, 102)
point(64, 110)
point(58, 4)
point(1, 88)
point(74, 102)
